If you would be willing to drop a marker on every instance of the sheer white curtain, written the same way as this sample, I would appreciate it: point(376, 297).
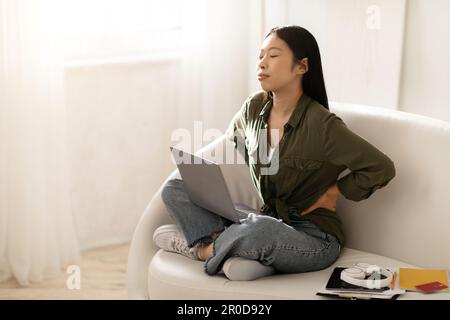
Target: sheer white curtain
point(53, 201)
point(37, 236)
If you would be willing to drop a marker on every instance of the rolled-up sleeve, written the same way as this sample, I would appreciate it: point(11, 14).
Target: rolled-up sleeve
point(370, 168)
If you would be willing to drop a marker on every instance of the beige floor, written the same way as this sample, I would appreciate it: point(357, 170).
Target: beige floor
point(103, 276)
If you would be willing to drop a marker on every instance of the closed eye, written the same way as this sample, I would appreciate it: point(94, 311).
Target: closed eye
point(269, 56)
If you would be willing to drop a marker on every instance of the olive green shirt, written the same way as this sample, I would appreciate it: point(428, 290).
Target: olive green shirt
point(315, 148)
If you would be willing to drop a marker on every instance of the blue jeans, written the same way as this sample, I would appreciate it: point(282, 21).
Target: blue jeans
point(302, 247)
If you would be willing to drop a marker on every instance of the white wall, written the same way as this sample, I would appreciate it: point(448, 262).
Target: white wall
point(361, 46)
point(122, 114)
point(401, 62)
point(225, 85)
point(116, 144)
point(426, 64)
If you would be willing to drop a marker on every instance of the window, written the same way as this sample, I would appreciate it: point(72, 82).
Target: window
point(104, 29)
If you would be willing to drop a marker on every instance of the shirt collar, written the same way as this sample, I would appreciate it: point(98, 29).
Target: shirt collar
point(296, 115)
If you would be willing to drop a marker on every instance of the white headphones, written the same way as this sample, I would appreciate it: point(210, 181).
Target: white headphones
point(357, 276)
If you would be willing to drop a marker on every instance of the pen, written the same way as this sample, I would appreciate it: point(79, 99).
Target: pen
point(394, 278)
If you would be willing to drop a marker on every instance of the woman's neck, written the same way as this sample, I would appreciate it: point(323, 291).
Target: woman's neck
point(284, 102)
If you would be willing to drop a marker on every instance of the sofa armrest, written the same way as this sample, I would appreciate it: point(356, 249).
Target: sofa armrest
point(142, 248)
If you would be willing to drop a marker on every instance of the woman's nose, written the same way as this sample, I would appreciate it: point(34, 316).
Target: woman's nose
point(261, 65)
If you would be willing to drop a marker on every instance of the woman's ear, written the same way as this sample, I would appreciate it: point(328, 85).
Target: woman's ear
point(304, 65)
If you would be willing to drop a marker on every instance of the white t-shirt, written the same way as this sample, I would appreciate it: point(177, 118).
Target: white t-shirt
point(271, 149)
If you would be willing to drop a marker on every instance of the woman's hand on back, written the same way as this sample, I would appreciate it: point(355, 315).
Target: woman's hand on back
point(327, 200)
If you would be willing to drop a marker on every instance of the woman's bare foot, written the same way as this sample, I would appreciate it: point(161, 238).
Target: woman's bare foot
point(204, 252)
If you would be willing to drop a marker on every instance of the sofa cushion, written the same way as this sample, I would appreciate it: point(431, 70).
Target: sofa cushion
point(173, 276)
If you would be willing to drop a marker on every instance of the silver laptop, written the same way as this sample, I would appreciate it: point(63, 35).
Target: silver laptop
point(205, 184)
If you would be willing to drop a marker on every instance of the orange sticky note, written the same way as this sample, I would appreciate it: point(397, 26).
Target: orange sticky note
point(410, 278)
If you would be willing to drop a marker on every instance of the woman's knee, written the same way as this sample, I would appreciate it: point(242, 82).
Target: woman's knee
point(263, 222)
point(261, 229)
point(171, 189)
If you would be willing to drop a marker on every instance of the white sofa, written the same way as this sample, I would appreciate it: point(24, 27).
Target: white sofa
point(407, 223)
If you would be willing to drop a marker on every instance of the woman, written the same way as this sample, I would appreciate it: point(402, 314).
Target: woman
point(298, 229)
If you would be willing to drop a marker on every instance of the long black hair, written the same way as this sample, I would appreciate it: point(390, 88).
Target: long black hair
point(304, 45)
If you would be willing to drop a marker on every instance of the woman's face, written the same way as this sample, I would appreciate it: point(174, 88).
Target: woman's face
point(275, 65)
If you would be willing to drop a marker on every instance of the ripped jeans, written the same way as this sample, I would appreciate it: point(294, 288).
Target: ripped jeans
point(302, 247)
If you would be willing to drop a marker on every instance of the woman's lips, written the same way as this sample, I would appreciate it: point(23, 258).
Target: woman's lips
point(262, 77)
